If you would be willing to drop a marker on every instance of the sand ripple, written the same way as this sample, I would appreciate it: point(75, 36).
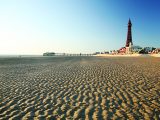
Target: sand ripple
point(79, 88)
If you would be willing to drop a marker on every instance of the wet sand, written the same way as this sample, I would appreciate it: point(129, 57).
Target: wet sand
point(80, 88)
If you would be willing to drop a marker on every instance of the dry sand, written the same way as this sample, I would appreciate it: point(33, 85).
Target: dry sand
point(155, 55)
point(80, 88)
point(119, 55)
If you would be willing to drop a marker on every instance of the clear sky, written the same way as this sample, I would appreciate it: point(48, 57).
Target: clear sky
point(76, 26)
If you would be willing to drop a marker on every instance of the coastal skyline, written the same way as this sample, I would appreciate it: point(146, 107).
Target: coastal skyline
point(76, 26)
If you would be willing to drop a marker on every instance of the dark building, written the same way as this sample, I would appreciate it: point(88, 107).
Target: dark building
point(129, 34)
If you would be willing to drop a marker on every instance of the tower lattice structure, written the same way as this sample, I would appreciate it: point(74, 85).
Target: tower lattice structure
point(129, 34)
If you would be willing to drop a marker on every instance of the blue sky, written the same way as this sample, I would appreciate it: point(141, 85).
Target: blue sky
point(76, 26)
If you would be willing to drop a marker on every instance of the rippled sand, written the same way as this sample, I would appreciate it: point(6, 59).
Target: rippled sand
point(80, 88)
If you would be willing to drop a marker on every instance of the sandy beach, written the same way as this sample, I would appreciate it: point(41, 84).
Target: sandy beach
point(80, 88)
point(155, 55)
point(128, 55)
point(119, 55)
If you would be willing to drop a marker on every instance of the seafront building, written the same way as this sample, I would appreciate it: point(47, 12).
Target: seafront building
point(129, 34)
point(129, 44)
point(128, 49)
point(131, 49)
point(156, 51)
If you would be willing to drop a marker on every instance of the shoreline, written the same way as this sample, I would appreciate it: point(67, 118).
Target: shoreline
point(129, 55)
point(109, 55)
point(155, 55)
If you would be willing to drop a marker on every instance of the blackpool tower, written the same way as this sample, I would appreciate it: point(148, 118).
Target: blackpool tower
point(129, 34)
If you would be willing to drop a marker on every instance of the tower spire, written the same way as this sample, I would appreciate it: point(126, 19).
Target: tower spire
point(129, 34)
